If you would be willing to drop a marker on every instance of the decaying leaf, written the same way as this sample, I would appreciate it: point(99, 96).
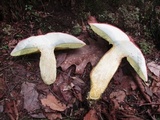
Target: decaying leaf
point(117, 97)
point(92, 52)
point(30, 96)
point(54, 116)
point(11, 109)
point(154, 68)
point(91, 115)
point(52, 102)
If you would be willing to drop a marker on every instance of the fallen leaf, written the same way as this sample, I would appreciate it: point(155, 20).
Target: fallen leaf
point(154, 68)
point(133, 85)
point(117, 97)
point(11, 109)
point(30, 96)
point(52, 102)
point(54, 116)
point(91, 115)
point(66, 92)
point(57, 84)
point(78, 95)
point(80, 57)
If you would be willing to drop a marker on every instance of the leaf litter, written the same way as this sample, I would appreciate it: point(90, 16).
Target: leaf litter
point(52, 102)
point(92, 52)
point(24, 94)
point(154, 68)
point(30, 96)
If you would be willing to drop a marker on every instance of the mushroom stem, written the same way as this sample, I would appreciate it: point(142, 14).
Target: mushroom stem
point(47, 65)
point(102, 73)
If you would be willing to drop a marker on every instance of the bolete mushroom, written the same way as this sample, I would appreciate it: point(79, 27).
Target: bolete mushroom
point(122, 47)
point(46, 45)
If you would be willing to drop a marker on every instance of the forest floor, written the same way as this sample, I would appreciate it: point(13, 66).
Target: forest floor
point(24, 96)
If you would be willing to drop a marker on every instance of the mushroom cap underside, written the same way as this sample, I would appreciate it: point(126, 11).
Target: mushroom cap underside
point(51, 40)
point(110, 33)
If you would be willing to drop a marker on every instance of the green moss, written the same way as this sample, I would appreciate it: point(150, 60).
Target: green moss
point(76, 30)
point(146, 47)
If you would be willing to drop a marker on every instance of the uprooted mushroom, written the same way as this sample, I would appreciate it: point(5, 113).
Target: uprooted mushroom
point(108, 64)
point(46, 45)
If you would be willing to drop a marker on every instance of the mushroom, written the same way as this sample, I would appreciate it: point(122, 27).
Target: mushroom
point(46, 45)
point(122, 47)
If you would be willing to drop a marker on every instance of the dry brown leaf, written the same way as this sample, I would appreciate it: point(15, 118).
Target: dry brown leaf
point(66, 92)
point(118, 95)
point(52, 102)
point(91, 115)
point(80, 57)
point(154, 68)
point(54, 116)
point(11, 109)
point(30, 96)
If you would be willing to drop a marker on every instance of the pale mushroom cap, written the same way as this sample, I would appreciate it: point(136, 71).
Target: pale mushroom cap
point(111, 33)
point(46, 45)
point(126, 47)
point(50, 40)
